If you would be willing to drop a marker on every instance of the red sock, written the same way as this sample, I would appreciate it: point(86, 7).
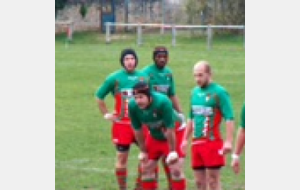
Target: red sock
point(121, 174)
point(179, 184)
point(138, 182)
point(149, 184)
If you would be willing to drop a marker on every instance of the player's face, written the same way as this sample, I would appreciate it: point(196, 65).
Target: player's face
point(142, 100)
point(201, 77)
point(129, 62)
point(161, 60)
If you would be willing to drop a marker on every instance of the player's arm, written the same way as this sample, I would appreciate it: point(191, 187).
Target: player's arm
point(101, 93)
point(176, 104)
point(187, 133)
point(175, 99)
point(168, 120)
point(227, 112)
point(240, 139)
point(137, 126)
point(239, 144)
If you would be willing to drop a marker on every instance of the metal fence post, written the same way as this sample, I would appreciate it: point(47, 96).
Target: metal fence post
point(209, 37)
point(107, 32)
point(173, 35)
point(139, 35)
point(244, 30)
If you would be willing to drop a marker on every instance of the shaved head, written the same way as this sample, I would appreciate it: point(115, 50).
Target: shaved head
point(202, 73)
point(203, 65)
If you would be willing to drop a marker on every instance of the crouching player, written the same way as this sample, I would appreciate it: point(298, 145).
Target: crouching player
point(155, 111)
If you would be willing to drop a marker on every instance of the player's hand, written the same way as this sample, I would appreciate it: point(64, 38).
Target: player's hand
point(109, 116)
point(182, 117)
point(183, 146)
point(172, 158)
point(227, 147)
point(143, 156)
point(235, 163)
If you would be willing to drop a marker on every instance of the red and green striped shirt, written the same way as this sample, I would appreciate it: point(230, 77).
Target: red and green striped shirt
point(209, 106)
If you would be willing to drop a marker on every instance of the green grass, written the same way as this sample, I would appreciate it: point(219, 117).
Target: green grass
point(84, 154)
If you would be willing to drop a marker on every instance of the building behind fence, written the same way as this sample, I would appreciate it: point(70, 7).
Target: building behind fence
point(203, 12)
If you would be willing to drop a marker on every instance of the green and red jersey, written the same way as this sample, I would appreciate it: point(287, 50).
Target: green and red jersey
point(209, 105)
point(158, 116)
point(120, 84)
point(161, 80)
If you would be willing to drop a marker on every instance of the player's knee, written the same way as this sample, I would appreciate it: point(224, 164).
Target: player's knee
point(122, 160)
point(148, 175)
point(201, 184)
point(177, 171)
point(213, 182)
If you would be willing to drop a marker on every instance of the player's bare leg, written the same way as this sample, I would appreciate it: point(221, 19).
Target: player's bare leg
point(178, 181)
point(167, 172)
point(200, 179)
point(148, 175)
point(121, 169)
point(213, 179)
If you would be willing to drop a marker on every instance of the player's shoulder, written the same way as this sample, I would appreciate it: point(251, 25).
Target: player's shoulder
point(140, 72)
point(219, 88)
point(147, 68)
point(161, 98)
point(168, 70)
point(115, 74)
point(195, 89)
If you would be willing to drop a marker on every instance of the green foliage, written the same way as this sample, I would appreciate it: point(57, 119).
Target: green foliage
point(59, 5)
point(83, 10)
point(229, 12)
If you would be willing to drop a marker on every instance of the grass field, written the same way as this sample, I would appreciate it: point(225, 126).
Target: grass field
point(84, 154)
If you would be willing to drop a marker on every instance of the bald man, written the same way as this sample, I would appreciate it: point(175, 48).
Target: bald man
point(209, 105)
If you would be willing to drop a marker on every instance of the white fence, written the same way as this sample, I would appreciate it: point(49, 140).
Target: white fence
point(173, 27)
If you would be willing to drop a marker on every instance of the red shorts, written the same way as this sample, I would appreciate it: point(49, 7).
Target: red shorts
point(122, 134)
point(205, 153)
point(158, 148)
point(179, 137)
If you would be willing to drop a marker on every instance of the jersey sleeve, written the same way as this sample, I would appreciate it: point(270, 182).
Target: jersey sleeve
point(167, 111)
point(225, 105)
point(135, 122)
point(242, 122)
point(190, 114)
point(172, 90)
point(105, 88)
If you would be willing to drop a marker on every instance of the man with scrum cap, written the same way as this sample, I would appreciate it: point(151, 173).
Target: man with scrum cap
point(120, 84)
point(154, 110)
